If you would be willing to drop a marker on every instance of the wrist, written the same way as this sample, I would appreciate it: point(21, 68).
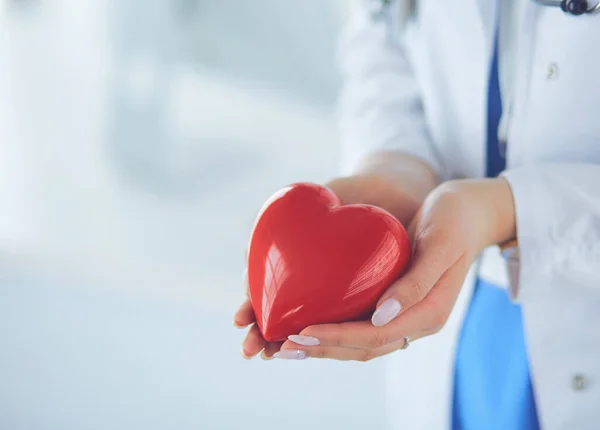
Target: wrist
point(377, 190)
point(396, 182)
point(494, 201)
point(488, 207)
point(416, 177)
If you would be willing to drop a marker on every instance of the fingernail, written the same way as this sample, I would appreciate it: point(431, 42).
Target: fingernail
point(304, 340)
point(388, 310)
point(290, 354)
point(246, 356)
point(245, 277)
point(264, 356)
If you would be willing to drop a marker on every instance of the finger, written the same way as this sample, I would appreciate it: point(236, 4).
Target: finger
point(432, 257)
point(253, 343)
point(359, 334)
point(412, 228)
point(416, 319)
point(270, 349)
point(244, 316)
point(430, 315)
point(289, 350)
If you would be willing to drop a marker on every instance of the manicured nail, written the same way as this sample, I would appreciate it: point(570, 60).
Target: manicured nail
point(304, 340)
point(246, 356)
point(388, 310)
point(290, 354)
point(264, 356)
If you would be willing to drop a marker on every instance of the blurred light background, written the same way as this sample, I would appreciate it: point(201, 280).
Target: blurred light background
point(138, 139)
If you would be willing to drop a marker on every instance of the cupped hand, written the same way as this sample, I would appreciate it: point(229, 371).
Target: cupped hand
point(456, 222)
point(392, 194)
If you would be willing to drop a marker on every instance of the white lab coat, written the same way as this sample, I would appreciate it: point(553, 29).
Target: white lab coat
point(418, 84)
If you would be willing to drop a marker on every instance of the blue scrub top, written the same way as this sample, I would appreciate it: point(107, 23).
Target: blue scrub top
point(492, 384)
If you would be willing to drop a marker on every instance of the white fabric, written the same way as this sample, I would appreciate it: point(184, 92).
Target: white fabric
point(420, 86)
point(493, 268)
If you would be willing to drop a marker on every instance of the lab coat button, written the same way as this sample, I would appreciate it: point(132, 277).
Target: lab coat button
point(579, 382)
point(552, 71)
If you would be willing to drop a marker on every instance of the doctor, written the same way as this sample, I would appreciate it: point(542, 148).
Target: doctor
point(476, 123)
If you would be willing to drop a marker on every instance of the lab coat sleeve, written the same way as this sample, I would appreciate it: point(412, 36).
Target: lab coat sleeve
point(380, 106)
point(558, 224)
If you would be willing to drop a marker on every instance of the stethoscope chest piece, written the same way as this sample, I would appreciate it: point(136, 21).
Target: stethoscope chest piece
point(572, 7)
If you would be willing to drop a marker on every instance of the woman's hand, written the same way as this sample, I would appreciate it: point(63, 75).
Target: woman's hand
point(456, 222)
point(399, 189)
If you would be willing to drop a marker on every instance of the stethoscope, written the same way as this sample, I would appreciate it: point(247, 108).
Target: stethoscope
point(571, 7)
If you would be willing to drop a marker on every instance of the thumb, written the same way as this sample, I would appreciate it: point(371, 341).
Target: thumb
point(427, 267)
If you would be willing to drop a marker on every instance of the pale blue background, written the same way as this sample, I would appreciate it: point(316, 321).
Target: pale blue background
point(139, 138)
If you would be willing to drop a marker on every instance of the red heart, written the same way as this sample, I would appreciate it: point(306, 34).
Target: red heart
point(313, 261)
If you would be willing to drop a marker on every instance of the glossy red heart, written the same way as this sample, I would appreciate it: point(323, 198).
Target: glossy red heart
point(312, 260)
